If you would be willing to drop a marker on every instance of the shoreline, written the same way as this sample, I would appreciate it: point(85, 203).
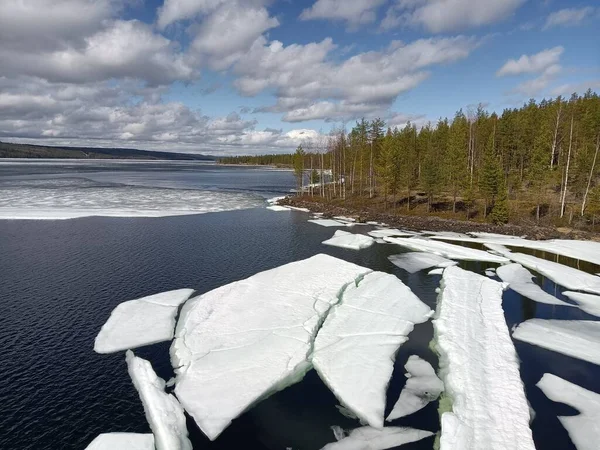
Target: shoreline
point(433, 223)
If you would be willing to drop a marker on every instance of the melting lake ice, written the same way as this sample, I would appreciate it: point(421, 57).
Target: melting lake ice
point(61, 280)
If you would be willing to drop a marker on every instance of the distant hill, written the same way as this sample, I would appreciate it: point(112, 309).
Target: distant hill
point(9, 150)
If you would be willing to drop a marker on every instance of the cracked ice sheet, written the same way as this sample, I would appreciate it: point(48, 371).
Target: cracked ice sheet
point(355, 349)
point(140, 322)
point(244, 341)
point(328, 223)
point(479, 367)
point(562, 275)
point(586, 302)
point(163, 411)
point(350, 241)
point(446, 250)
point(576, 338)
point(367, 438)
point(122, 441)
point(413, 262)
point(584, 428)
point(519, 280)
point(388, 232)
point(422, 387)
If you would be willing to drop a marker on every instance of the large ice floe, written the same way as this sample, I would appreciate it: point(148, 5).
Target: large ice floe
point(479, 367)
point(520, 280)
point(563, 275)
point(350, 241)
point(328, 222)
point(389, 232)
point(144, 321)
point(128, 201)
point(355, 349)
point(422, 387)
point(446, 250)
point(163, 411)
point(368, 438)
point(584, 428)
point(122, 441)
point(587, 302)
point(577, 338)
point(242, 342)
point(413, 262)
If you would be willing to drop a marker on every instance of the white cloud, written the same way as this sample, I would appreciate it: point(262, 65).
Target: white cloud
point(568, 17)
point(569, 88)
point(546, 60)
point(439, 16)
point(176, 10)
point(354, 12)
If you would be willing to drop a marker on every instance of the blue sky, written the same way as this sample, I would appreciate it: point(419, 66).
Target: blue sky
point(261, 76)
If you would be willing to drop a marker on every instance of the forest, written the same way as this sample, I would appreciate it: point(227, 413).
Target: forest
point(537, 163)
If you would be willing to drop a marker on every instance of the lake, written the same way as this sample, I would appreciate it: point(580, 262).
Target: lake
point(60, 279)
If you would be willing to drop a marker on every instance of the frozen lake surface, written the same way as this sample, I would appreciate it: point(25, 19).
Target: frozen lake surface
point(61, 279)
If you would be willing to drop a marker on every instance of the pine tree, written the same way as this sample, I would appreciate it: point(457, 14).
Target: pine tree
point(455, 163)
point(299, 167)
point(491, 176)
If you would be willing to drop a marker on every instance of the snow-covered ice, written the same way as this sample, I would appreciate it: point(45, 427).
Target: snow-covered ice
point(127, 201)
point(388, 232)
point(413, 262)
point(328, 222)
point(566, 276)
point(139, 322)
point(446, 250)
point(479, 367)
point(520, 280)
point(278, 208)
point(587, 302)
point(577, 338)
point(367, 438)
point(241, 342)
point(350, 241)
point(439, 271)
point(490, 273)
point(583, 428)
point(355, 349)
point(422, 387)
point(163, 411)
point(122, 441)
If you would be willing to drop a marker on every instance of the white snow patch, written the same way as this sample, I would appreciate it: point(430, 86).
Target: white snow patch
point(350, 241)
point(388, 232)
point(520, 280)
point(367, 438)
point(163, 411)
point(439, 271)
point(479, 367)
point(328, 222)
point(446, 250)
point(355, 349)
point(422, 387)
point(144, 321)
point(296, 208)
point(259, 330)
point(274, 200)
point(584, 428)
point(413, 262)
point(345, 219)
point(587, 302)
point(577, 338)
point(278, 208)
point(122, 441)
point(490, 273)
point(566, 276)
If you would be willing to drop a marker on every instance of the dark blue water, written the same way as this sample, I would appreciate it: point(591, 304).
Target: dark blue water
point(61, 279)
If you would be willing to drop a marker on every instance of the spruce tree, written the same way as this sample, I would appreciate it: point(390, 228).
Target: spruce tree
point(491, 175)
point(499, 213)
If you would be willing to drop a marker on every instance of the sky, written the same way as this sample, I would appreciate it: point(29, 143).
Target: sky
point(264, 76)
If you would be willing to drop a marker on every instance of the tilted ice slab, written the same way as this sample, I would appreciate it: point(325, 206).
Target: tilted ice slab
point(144, 321)
point(577, 338)
point(388, 232)
point(423, 386)
point(446, 250)
point(587, 302)
point(122, 441)
point(351, 241)
point(367, 438)
point(584, 428)
point(479, 367)
point(436, 271)
point(129, 201)
point(163, 411)
point(413, 262)
point(520, 280)
point(563, 275)
point(355, 349)
point(242, 342)
point(328, 222)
